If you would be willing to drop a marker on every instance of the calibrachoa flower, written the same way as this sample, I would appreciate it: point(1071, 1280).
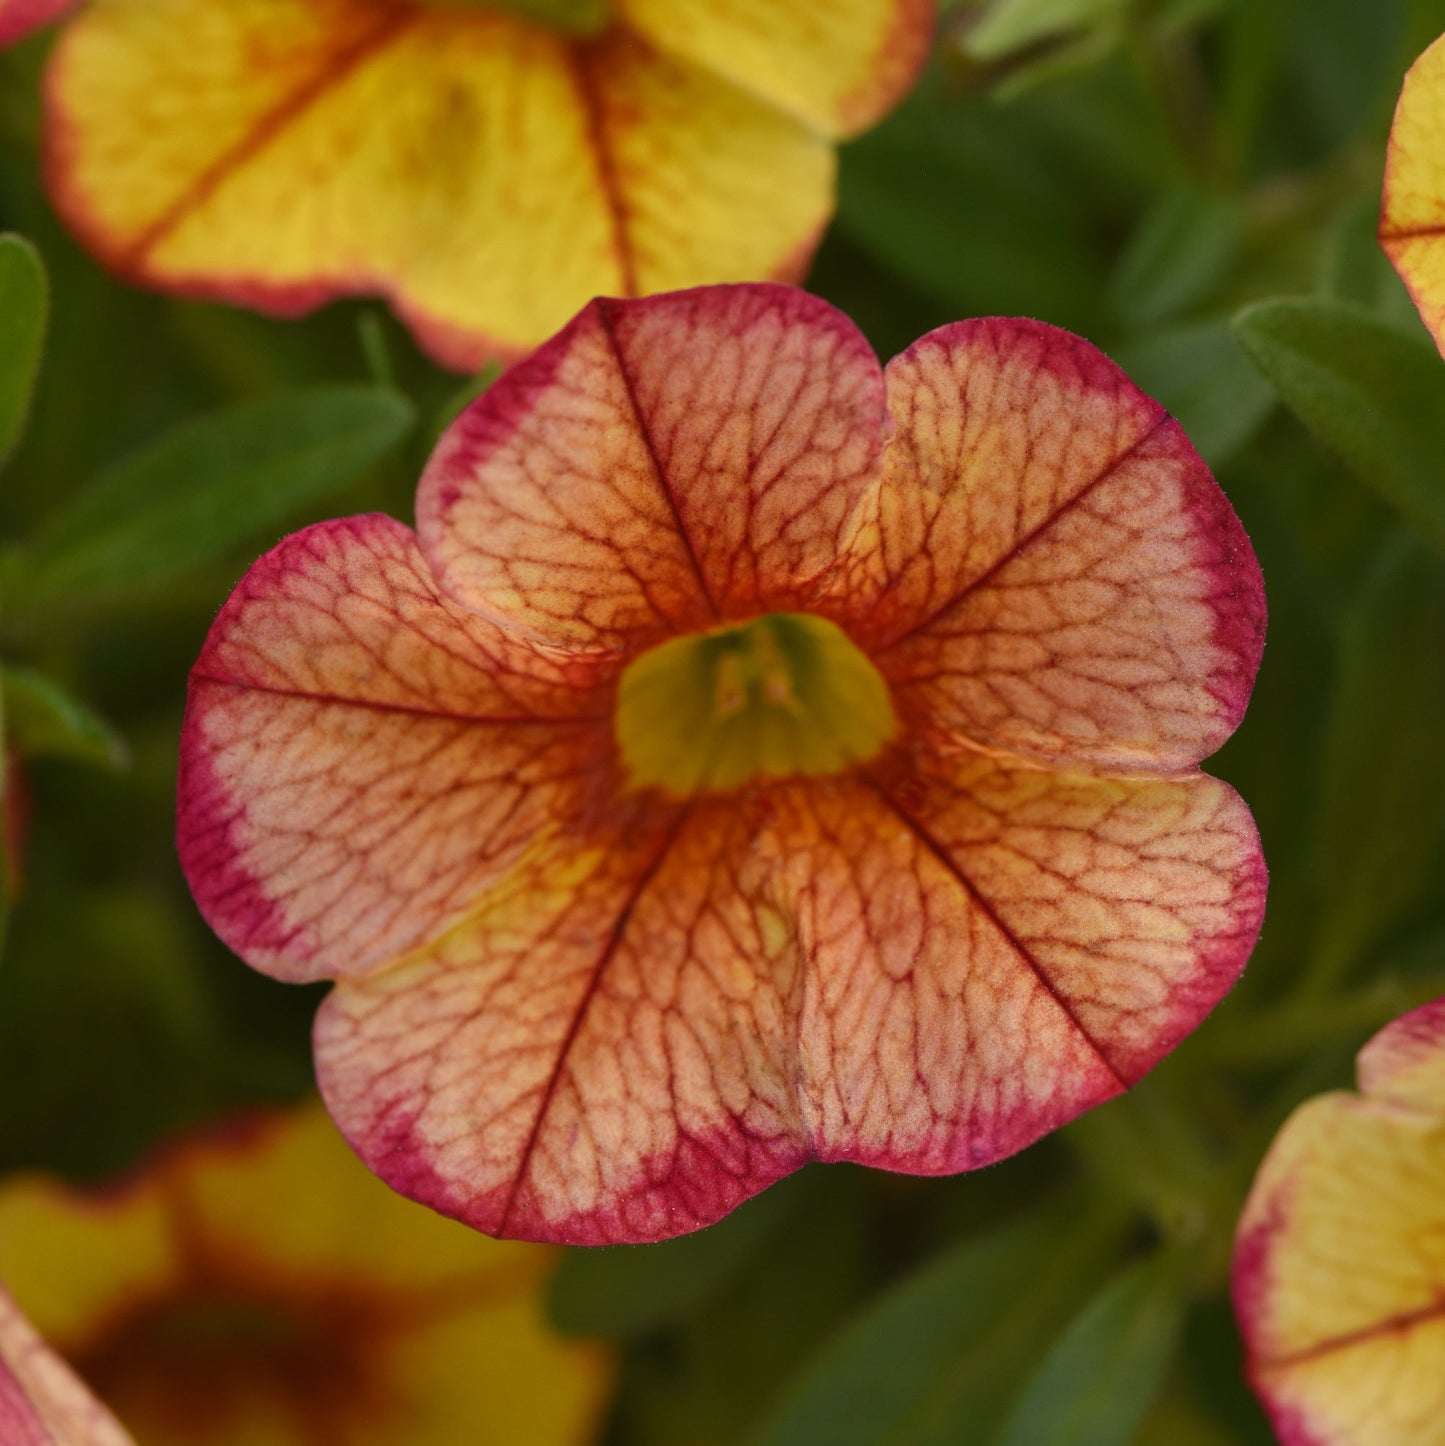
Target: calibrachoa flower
point(752, 758)
point(256, 1284)
point(486, 168)
point(1339, 1266)
point(41, 1402)
point(1412, 224)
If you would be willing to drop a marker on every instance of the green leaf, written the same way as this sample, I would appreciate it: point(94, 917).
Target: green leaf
point(24, 303)
point(1101, 1376)
point(625, 1290)
point(1179, 253)
point(937, 1360)
point(42, 719)
point(964, 202)
point(1013, 25)
point(1383, 789)
point(204, 487)
point(1372, 394)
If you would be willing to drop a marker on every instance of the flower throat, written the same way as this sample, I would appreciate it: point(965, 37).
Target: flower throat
point(783, 695)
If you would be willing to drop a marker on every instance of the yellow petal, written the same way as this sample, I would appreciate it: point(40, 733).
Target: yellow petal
point(838, 66)
point(1412, 221)
point(1339, 1267)
point(282, 152)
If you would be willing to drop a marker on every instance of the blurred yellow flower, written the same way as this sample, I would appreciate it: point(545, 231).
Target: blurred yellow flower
point(488, 168)
point(257, 1284)
point(1339, 1265)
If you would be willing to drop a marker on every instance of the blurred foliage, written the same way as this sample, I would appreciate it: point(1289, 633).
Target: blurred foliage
point(1193, 184)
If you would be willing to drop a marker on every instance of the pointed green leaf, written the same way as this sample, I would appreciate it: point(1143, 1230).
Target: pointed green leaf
point(42, 719)
point(203, 488)
point(1371, 393)
point(1101, 1376)
point(1383, 790)
point(24, 302)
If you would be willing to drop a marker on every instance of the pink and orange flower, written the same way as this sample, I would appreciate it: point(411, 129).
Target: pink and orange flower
point(754, 757)
point(1412, 221)
point(488, 169)
point(1339, 1264)
point(256, 1284)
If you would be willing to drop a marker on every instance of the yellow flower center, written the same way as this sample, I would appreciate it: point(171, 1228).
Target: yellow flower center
point(573, 17)
point(778, 696)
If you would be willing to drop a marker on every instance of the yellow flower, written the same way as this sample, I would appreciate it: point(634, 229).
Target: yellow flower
point(486, 170)
point(1339, 1265)
point(256, 1284)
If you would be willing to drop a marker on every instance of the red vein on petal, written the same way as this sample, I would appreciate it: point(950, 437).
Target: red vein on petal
point(604, 313)
point(1019, 947)
point(266, 128)
point(1411, 233)
point(1391, 1325)
point(1024, 542)
point(609, 949)
point(409, 708)
point(607, 178)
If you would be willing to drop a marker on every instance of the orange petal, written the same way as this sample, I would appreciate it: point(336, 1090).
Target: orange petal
point(361, 756)
point(925, 981)
point(599, 1054)
point(839, 69)
point(487, 175)
point(1055, 573)
point(42, 1403)
point(1339, 1266)
point(657, 466)
point(19, 17)
point(400, 1327)
point(1412, 221)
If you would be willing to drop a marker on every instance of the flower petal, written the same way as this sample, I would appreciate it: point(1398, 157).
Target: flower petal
point(703, 181)
point(647, 1032)
point(1405, 1062)
point(1412, 221)
point(42, 1402)
point(361, 756)
point(19, 17)
point(1062, 578)
point(658, 465)
point(597, 1056)
point(839, 69)
point(997, 949)
point(280, 153)
point(1339, 1273)
point(485, 174)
